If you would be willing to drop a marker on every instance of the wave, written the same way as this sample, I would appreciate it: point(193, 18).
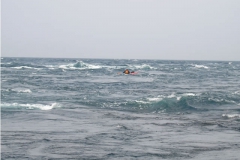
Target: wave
point(175, 102)
point(26, 67)
point(142, 66)
point(231, 115)
point(80, 65)
point(16, 106)
point(200, 66)
point(220, 101)
point(237, 92)
point(160, 104)
point(16, 65)
point(17, 90)
point(173, 95)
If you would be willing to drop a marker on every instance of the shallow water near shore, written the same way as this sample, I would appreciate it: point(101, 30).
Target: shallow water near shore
point(88, 109)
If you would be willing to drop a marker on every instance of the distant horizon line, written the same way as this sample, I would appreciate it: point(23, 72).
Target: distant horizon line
point(125, 59)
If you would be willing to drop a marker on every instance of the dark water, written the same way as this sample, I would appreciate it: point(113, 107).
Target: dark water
point(88, 109)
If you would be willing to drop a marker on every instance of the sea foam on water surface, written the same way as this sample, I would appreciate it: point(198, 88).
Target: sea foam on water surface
point(29, 106)
point(80, 65)
point(231, 115)
point(22, 90)
point(200, 66)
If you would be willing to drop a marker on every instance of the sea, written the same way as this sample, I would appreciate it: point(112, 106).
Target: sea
point(59, 108)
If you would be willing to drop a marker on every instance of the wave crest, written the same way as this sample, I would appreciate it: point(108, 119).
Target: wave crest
point(79, 65)
point(231, 115)
point(17, 106)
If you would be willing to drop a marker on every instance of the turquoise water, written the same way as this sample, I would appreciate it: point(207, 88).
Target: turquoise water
point(88, 109)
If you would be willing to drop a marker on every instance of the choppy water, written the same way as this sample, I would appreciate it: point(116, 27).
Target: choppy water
point(88, 109)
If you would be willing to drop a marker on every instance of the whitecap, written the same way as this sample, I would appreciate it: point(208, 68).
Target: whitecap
point(50, 66)
point(189, 94)
point(79, 65)
point(22, 67)
point(143, 66)
point(63, 66)
point(200, 66)
point(30, 106)
point(178, 98)
point(161, 97)
point(155, 99)
point(21, 90)
point(171, 96)
point(142, 102)
point(237, 92)
point(231, 115)
point(93, 66)
point(221, 100)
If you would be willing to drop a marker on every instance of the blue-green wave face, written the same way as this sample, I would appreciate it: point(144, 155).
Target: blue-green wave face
point(158, 86)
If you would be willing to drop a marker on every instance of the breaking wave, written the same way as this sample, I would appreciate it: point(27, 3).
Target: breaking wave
point(200, 66)
point(18, 90)
point(17, 65)
point(17, 106)
point(79, 65)
point(231, 115)
point(185, 102)
point(142, 66)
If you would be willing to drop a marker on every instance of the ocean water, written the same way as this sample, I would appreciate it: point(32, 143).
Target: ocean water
point(89, 109)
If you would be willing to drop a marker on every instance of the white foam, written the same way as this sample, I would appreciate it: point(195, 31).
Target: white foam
point(21, 90)
point(5, 63)
point(64, 66)
point(142, 102)
point(143, 66)
point(200, 66)
point(30, 106)
point(237, 92)
point(155, 99)
point(171, 96)
point(79, 65)
point(178, 98)
point(94, 66)
point(22, 67)
point(26, 67)
point(189, 94)
point(118, 126)
point(161, 97)
point(50, 66)
point(221, 100)
point(231, 115)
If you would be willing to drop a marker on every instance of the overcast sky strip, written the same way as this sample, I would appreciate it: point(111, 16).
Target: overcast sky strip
point(131, 29)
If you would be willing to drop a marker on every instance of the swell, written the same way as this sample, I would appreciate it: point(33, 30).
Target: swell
point(159, 86)
point(185, 102)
